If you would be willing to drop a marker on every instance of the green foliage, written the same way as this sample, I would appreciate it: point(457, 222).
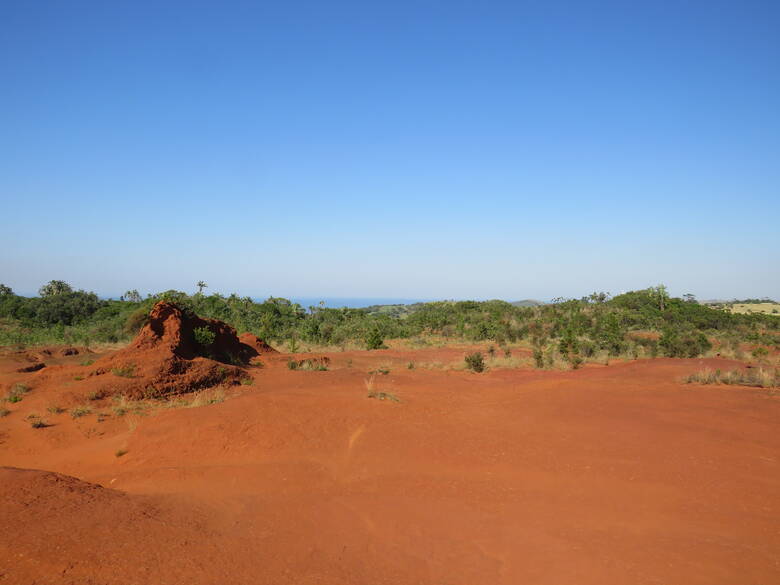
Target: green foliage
point(17, 392)
point(131, 296)
point(685, 343)
point(374, 339)
point(55, 287)
point(760, 353)
point(203, 336)
point(574, 328)
point(475, 362)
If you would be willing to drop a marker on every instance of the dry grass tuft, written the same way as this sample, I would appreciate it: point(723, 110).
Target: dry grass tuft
point(757, 378)
point(206, 397)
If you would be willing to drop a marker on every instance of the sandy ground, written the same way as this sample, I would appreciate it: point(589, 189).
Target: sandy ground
point(606, 475)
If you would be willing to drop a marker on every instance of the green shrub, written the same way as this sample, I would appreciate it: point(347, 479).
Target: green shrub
point(760, 353)
point(686, 344)
point(475, 362)
point(203, 336)
point(374, 340)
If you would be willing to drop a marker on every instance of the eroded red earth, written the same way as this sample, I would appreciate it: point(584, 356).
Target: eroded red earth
point(611, 475)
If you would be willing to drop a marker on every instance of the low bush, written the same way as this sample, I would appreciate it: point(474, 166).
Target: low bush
point(686, 343)
point(203, 336)
point(475, 362)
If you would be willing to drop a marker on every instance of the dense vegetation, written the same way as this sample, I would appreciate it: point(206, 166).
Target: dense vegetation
point(571, 329)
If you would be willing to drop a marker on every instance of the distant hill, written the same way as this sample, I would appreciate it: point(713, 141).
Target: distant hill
point(526, 303)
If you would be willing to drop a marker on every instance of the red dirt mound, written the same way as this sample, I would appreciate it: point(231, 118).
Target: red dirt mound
point(98, 535)
point(256, 343)
point(174, 353)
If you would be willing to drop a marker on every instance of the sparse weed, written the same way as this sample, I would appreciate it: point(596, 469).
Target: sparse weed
point(509, 362)
point(37, 422)
point(54, 409)
point(4, 412)
point(87, 362)
point(247, 381)
point(80, 411)
point(369, 382)
point(312, 364)
point(127, 371)
point(120, 452)
point(17, 392)
point(384, 396)
point(206, 397)
point(410, 366)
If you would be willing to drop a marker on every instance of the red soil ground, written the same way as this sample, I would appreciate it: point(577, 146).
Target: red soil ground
point(611, 475)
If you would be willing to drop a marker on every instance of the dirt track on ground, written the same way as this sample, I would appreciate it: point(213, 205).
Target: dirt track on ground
point(611, 475)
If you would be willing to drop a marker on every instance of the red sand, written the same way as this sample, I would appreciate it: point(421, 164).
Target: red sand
point(607, 476)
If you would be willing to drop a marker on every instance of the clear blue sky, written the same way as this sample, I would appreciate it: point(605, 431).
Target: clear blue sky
point(391, 149)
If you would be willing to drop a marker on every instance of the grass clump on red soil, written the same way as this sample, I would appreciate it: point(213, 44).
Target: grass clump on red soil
point(17, 392)
point(320, 364)
point(37, 422)
point(757, 378)
point(127, 371)
point(475, 362)
point(80, 411)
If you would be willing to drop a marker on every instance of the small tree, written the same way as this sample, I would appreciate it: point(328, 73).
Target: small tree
point(5, 290)
point(599, 297)
point(374, 339)
point(55, 287)
point(201, 285)
point(132, 296)
point(661, 295)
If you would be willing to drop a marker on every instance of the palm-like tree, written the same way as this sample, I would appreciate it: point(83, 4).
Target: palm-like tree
point(201, 285)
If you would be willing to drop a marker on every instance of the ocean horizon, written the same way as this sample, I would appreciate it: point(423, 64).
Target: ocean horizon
point(351, 302)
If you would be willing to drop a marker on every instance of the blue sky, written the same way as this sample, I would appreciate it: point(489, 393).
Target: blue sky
point(398, 149)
